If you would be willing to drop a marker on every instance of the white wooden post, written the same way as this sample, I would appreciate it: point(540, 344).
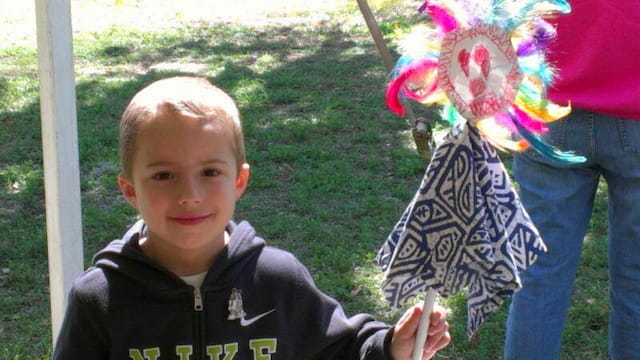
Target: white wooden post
point(60, 152)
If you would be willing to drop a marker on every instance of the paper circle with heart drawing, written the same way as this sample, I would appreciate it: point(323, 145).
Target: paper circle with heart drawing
point(478, 71)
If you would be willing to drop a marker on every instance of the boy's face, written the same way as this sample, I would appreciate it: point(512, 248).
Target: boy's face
point(184, 183)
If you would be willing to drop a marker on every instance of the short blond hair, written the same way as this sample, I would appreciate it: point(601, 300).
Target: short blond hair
point(193, 96)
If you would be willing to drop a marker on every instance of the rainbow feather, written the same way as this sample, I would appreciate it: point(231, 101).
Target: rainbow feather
point(544, 148)
point(520, 124)
point(414, 72)
point(530, 123)
point(443, 19)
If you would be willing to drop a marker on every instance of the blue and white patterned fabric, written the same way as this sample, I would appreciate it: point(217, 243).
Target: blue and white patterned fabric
point(465, 228)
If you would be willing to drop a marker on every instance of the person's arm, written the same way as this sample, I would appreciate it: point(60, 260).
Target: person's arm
point(318, 328)
point(361, 336)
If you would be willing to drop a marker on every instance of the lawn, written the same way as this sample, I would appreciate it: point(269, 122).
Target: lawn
point(332, 168)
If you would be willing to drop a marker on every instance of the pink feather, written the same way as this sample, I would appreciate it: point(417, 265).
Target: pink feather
point(440, 16)
point(505, 121)
point(414, 71)
point(528, 122)
point(393, 94)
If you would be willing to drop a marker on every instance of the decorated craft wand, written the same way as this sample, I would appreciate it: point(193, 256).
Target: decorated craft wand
point(483, 62)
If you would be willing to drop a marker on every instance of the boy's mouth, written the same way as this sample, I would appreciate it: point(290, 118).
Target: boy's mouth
point(190, 219)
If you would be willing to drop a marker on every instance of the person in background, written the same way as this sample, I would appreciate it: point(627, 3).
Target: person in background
point(598, 73)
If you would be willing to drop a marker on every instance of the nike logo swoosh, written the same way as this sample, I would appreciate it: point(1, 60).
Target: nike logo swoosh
point(246, 322)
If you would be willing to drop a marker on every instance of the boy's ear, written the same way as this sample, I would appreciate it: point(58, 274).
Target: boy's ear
point(242, 180)
point(128, 191)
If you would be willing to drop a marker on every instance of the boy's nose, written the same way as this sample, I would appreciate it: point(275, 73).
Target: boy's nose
point(190, 192)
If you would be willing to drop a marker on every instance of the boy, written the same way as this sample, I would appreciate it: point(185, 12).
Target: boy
point(185, 282)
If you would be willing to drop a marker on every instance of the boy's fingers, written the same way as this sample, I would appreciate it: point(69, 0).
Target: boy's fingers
point(438, 326)
point(438, 314)
point(438, 334)
point(436, 343)
point(408, 324)
point(437, 321)
point(444, 340)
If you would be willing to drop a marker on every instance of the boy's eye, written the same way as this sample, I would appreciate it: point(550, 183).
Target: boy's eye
point(211, 172)
point(163, 175)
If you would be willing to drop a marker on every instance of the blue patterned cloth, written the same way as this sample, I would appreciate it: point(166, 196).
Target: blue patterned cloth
point(465, 228)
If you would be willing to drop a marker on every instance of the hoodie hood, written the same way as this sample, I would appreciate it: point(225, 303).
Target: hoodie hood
point(125, 257)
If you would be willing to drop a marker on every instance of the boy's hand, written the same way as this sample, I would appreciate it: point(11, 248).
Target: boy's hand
point(404, 334)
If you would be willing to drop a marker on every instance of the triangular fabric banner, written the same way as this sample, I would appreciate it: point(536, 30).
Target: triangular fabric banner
point(465, 228)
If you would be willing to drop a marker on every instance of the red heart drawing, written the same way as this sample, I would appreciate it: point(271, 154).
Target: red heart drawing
point(463, 60)
point(480, 55)
point(478, 71)
point(477, 87)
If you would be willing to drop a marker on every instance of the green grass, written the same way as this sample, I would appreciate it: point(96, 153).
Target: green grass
point(332, 169)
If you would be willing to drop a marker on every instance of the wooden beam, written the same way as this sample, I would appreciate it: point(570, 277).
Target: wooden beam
point(422, 130)
point(376, 34)
point(60, 152)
